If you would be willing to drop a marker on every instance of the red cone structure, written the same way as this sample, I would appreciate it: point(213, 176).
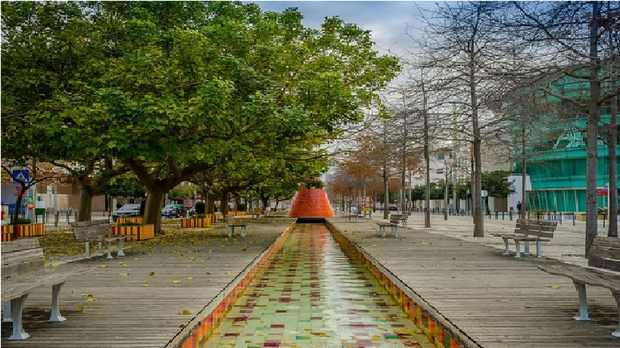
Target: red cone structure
point(311, 203)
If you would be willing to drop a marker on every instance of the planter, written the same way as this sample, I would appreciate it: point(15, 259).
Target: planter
point(198, 222)
point(7, 233)
point(130, 220)
point(12, 232)
point(134, 232)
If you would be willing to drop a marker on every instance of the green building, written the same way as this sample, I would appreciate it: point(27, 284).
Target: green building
point(558, 175)
point(557, 168)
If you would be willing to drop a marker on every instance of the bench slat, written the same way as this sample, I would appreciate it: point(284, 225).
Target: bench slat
point(591, 276)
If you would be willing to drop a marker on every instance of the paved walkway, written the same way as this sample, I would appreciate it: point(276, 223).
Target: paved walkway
point(499, 301)
point(142, 300)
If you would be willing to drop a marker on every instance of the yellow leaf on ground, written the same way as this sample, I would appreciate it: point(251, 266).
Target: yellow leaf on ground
point(79, 307)
point(176, 281)
point(185, 311)
point(124, 274)
point(554, 286)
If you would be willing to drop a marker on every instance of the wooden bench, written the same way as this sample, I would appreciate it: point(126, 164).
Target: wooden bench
point(22, 271)
point(98, 231)
point(235, 223)
point(527, 231)
point(603, 270)
point(396, 221)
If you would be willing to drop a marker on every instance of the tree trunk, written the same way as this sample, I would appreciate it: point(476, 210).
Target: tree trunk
point(386, 194)
point(265, 202)
point(210, 205)
point(593, 118)
point(445, 193)
point(18, 203)
point(224, 204)
point(86, 197)
point(427, 162)
point(477, 160)
point(522, 211)
point(613, 164)
point(152, 207)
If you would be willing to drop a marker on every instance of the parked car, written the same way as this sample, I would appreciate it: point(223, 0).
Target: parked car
point(129, 209)
point(172, 210)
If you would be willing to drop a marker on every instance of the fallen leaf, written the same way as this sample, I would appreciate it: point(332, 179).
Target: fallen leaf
point(146, 285)
point(124, 274)
point(79, 307)
point(123, 264)
point(175, 281)
point(554, 286)
point(152, 274)
point(185, 311)
point(190, 278)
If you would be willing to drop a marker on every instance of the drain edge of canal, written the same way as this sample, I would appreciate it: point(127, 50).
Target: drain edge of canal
point(363, 319)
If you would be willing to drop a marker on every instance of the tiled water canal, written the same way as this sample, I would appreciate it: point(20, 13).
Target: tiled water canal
point(313, 296)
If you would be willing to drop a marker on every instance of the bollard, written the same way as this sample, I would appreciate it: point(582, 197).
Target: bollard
point(604, 219)
point(510, 215)
point(67, 216)
point(574, 219)
point(503, 216)
point(496, 215)
point(56, 218)
point(561, 218)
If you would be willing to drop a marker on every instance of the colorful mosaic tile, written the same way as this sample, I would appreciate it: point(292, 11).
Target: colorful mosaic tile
point(312, 295)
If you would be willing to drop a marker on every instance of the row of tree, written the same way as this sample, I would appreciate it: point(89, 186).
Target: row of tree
point(221, 94)
point(495, 73)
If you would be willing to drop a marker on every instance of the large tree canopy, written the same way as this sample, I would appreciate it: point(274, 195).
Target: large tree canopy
point(171, 89)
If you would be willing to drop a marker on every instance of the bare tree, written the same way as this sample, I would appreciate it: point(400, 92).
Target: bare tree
point(572, 33)
point(463, 43)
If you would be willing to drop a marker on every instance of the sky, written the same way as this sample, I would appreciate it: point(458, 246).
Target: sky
point(389, 21)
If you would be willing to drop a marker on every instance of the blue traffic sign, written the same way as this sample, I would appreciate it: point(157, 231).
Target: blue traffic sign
point(22, 175)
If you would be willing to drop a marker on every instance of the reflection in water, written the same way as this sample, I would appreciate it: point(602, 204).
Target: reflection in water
point(313, 296)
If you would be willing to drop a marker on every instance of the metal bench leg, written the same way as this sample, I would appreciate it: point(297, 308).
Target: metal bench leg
point(120, 244)
point(538, 248)
point(17, 306)
point(87, 249)
point(526, 248)
point(506, 250)
point(55, 315)
point(583, 302)
point(617, 297)
point(6, 312)
point(518, 247)
point(109, 250)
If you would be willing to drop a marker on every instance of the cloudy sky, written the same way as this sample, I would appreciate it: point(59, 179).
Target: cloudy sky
point(389, 21)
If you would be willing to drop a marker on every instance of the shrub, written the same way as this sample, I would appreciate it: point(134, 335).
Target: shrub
point(200, 208)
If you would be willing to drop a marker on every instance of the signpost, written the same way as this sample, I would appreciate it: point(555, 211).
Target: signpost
point(20, 174)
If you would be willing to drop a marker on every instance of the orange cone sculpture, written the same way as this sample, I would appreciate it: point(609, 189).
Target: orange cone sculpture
point(311, 203)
